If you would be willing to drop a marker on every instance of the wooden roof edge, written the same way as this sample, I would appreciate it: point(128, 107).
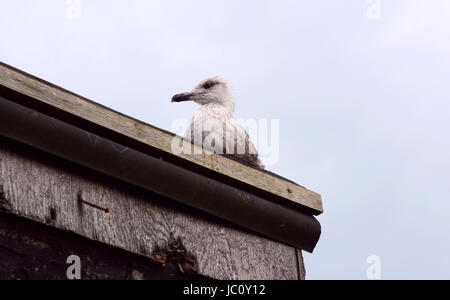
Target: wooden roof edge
point(161, 140)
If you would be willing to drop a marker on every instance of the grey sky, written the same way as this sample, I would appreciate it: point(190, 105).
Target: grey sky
point(363, 104)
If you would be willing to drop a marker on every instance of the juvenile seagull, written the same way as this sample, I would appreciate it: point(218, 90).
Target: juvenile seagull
point(213, 127)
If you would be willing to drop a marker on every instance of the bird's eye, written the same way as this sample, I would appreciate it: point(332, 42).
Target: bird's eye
point(209, 84)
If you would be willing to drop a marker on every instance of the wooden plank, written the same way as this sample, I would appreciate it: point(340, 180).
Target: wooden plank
point(48, 190)
point(73, 104)
point(301, 265)
point(33, 251)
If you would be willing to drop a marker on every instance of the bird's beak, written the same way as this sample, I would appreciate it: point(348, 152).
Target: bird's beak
point(183, 97)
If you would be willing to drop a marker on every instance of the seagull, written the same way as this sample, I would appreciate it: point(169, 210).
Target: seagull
point(213, 127)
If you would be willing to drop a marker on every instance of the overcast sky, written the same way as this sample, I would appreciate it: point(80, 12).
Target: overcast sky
point(362, 96)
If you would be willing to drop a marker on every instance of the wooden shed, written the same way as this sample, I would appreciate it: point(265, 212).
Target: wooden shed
point(77, 178)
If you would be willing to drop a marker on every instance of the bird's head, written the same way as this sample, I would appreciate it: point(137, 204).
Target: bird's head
point(212, 90)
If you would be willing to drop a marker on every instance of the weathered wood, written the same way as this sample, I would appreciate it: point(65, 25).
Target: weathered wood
point(157, 175)
point(154, 137)
point(33, 251)
point(48, 190)
point(301, 265)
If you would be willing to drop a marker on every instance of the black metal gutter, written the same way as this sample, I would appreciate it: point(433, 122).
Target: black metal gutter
point(276, 221)
point(23, 97)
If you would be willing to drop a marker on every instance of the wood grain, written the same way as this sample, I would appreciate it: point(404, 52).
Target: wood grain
point(47, 190)
point(33, 251)
point(301, 265)
point(73, 104)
